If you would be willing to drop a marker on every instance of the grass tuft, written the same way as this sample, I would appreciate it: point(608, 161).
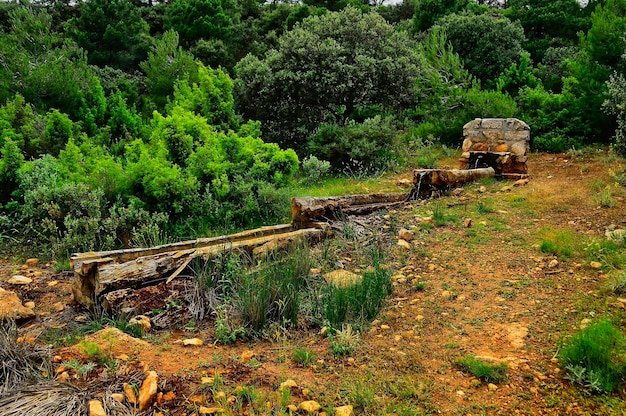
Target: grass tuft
point(491, 373)
point(594, 357)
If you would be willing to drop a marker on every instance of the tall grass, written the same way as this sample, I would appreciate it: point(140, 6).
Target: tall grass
point(272, 292)
point(361, 301)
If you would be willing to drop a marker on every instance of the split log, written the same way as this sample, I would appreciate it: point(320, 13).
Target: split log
point(428, 181)
point(306, 211)
point(96, 274)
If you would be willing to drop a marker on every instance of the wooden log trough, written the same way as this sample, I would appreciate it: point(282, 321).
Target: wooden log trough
point(98, 273)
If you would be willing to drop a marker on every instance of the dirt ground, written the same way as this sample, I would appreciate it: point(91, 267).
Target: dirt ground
point(478, 285)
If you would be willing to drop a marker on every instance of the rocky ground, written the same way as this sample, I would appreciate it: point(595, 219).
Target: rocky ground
point(472, 280)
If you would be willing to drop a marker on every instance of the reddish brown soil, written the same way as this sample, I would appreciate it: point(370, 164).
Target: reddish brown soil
point(488, 291)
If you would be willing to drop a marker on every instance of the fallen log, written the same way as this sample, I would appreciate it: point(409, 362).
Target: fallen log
point(428, 181)
point(96, 274)
point(307, 211)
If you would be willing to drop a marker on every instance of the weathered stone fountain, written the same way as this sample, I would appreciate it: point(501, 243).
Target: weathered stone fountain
point(492, 147)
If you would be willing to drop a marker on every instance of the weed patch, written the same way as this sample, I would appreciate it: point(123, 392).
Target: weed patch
point(490, 373)
point(594, 357)
point(561, 243)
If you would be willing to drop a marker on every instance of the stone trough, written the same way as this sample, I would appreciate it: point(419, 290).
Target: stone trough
point(492, 147)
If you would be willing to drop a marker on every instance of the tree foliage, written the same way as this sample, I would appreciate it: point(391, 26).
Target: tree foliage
point(325, 69)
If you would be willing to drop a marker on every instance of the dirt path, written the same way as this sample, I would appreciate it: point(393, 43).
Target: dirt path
point(482, 289)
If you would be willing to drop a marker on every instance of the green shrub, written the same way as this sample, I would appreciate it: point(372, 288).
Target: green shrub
point(358, 148)
point(562, 243)
point(595, 357)
point(314, 169)
point(491, 373)
point(616, 282)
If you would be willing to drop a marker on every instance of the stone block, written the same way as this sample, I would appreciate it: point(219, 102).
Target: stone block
point(474, 124)
point(515, 124)
point(467, 145)
point(519, 148)
point(523, 135)
point(480, 147)
point(493, 135)
point(501, 148)
point(492, 123)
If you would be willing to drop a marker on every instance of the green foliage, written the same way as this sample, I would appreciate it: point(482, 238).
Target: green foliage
point(549, 23)
point(323, 71)
point(303, 357)
point(488, 44)
point(490, 373)
point(344, 341)
point(616, 283)
point(517, 76)
point(447, 96)
point(112, 32)
point(196, 19)
point(561, 243)
point(594, 357)
point(167, 63)
point(427, 12)
point(225, 331)
point(48, 71)
point(211, 97)
point(314, 169)
point(369, 145)
point(616, 105)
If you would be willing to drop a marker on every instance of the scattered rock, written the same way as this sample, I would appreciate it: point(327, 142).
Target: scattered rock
point(460, 393)
point(246, 356)
point(130, 393)
point(315, 271)
point(58, 306)
point(467, 223)
point(384, 327)
point(64, 376)
point(517, 333)
point(585, 323)
point(457, 192)
point(11, 307)
point(342, 278)
point(19, 280)
point(404, 183)
point(404, 244)
point(118, 396)
point(148, 390)
point(506, 188)
point(446, 294)
point(32, 261)
point(29, 305)
point(293, 408)
point(53, 283)
point(617, 236)
point(207, 380)
point(492, 387)
point(482, 189)
point(142, 322)
point(344, 410)
point(170, 395)
point(288, 384)
point(210, 410)
point(521, 182)
point(426, 220)
point(194, 342)
point(553, 264)
point(595, 265)
point(310, 406)
point(405, 234)
point(96, 409)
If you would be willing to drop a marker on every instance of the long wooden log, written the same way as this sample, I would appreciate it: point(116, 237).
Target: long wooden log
point(308, 210)
point(98, 275)
point(426, 181)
